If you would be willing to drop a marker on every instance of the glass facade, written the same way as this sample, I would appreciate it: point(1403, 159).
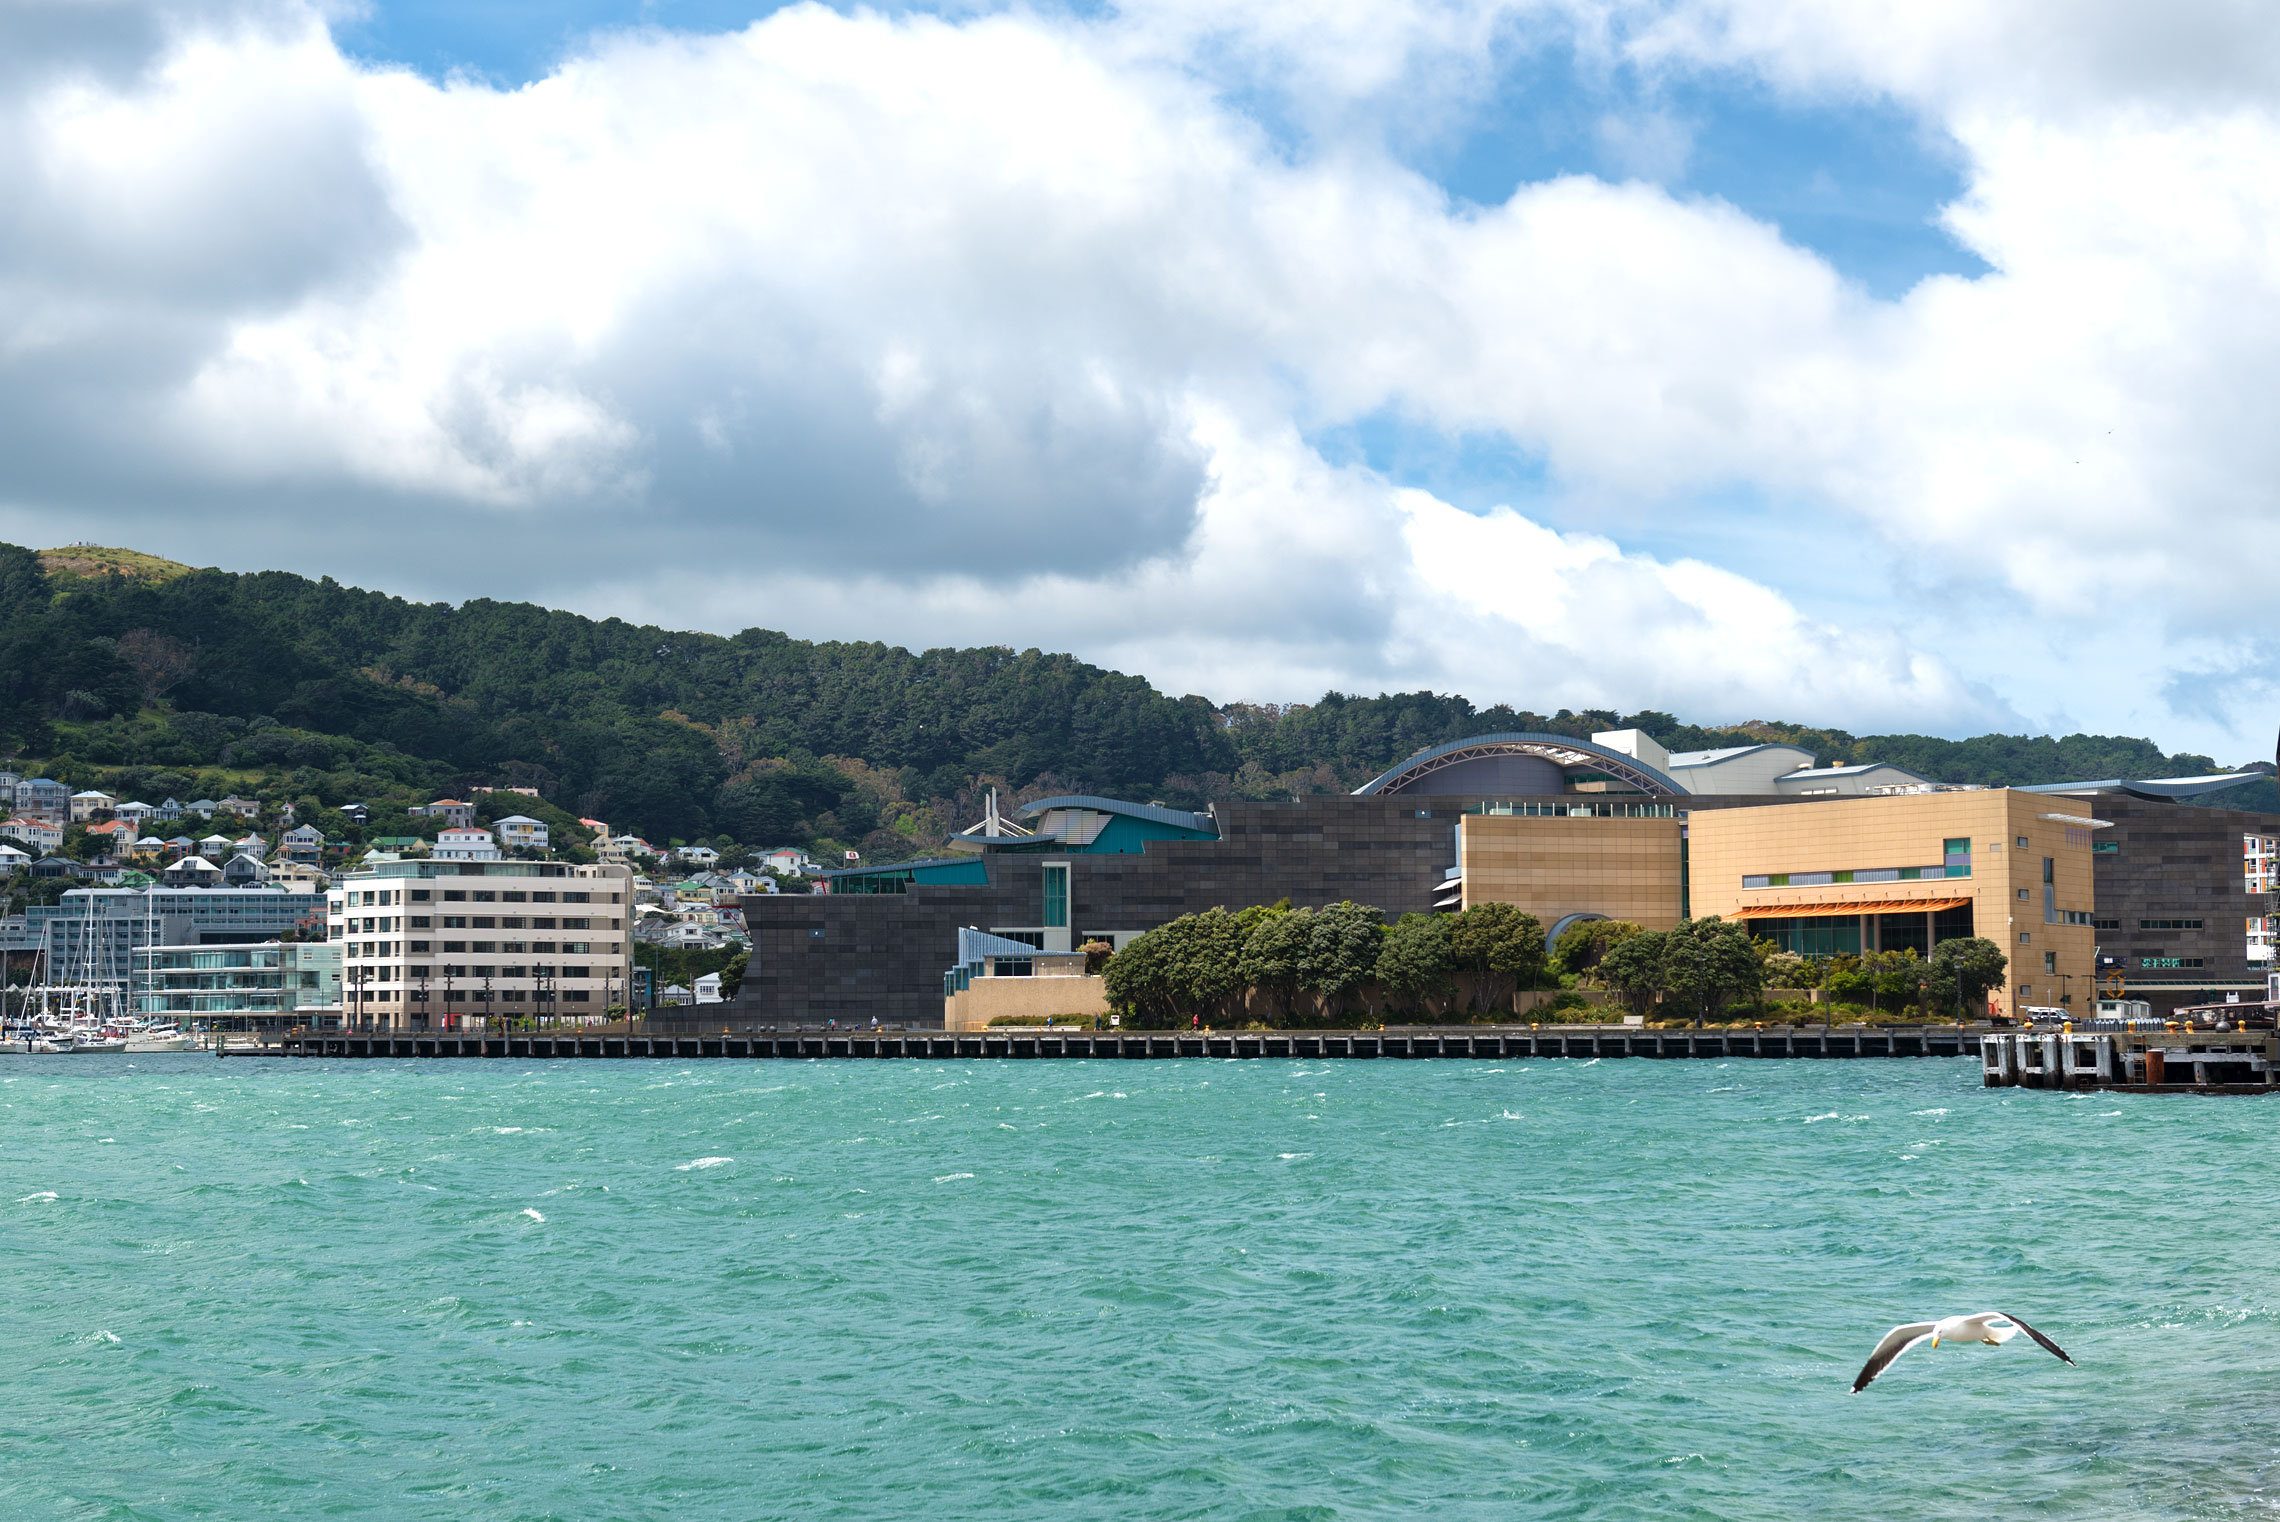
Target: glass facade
point(1056, 897)
point(1819, 936)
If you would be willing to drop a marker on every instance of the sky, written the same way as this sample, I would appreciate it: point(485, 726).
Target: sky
point(1891, 366)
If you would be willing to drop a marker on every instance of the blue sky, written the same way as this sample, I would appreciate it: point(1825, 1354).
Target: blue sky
point(1739, 358)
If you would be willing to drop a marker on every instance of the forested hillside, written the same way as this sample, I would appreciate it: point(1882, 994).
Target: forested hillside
point(120, 669)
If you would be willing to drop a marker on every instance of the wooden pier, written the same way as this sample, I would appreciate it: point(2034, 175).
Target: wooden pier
point(1140, 1045)
point(2184, 1061)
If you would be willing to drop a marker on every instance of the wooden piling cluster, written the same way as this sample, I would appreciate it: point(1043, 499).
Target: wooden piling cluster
point(1142, 1045)
point(2144, 1061)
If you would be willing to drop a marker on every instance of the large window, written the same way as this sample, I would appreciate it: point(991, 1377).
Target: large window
point(1811, 937)
point(1057, 896)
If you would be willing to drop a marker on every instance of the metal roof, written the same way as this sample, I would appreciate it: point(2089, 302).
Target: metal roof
point(974, 945)
point(1713, 757)
point(2152, 787)
point(1154, 813)
point(1855, 770)
point(1561, 750)
point(897, 866)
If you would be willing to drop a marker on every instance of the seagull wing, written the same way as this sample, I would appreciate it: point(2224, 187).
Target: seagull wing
point(1897, 1341)
point(2047, 1345)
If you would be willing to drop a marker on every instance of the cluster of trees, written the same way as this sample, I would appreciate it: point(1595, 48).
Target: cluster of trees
point(1701, 967)
point(1285, 966)
point(1310, 966)
point(351, 694)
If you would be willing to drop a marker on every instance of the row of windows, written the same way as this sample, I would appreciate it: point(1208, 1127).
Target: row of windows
point(1858, 875)
point(2172, 962)
point(477, 971)
point(1528, 809)
point(503, 922)
point(363, 950)
point(373, 898)
point(2169, 924)
point(484, 996)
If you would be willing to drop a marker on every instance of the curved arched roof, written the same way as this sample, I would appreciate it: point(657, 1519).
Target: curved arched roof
point(1561, 750)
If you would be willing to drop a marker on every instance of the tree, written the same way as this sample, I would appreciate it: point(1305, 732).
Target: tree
point(1708, 963)
point(1502, 948)
point(1180, 971)
point(1342, 949)
point(1415, 964)
point(1273, 962)
point(1633, 968)
point(1963, 970)
point(1583, 945)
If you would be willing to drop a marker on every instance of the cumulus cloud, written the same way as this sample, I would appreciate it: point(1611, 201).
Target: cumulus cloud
point(1012, 327)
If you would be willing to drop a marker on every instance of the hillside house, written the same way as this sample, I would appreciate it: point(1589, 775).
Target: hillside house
point(44, 798)
point(467, 843)
point(520, 832)
point(34, 833)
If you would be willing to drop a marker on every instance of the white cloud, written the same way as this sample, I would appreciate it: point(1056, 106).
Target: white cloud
point(1010, 327)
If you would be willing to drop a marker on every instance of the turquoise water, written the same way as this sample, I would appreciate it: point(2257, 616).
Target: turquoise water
point(1255, 1289)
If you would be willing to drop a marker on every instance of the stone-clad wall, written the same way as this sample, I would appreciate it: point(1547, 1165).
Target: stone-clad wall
point(2176, 862)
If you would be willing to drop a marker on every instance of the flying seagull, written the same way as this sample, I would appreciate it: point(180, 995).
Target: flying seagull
point(1994, 1328)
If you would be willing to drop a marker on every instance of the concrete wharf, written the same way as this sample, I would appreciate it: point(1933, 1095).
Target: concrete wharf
point(2182, 1061)
point(1473, 1044)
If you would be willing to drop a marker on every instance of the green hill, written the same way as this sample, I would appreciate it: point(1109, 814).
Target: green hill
point(133, 673)
point(91, 560)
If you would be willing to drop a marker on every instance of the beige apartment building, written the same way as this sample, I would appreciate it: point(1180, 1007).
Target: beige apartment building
point(436, 945)
point(1561, 859)
point(1852, 875)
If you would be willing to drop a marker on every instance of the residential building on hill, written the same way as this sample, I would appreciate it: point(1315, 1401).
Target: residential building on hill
point(45, 799)
point(40, 834)
point(88, 805)
point(468, 844)
point(520, 832)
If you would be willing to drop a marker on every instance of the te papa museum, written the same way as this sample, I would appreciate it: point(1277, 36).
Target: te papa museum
point(2094, 889)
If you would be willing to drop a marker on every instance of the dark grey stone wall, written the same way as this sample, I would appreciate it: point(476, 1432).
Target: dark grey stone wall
point(2175, 862)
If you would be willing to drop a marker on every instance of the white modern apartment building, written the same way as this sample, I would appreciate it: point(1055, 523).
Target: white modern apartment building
point(437, 944)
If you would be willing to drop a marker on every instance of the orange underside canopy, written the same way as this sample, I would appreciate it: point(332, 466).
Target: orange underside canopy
point(1827, 911)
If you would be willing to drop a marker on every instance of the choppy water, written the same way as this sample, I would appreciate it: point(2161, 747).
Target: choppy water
point(1092, 1289)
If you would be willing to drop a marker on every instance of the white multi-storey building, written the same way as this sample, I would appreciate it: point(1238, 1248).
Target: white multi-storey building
point(436, 944)
point(469, 844)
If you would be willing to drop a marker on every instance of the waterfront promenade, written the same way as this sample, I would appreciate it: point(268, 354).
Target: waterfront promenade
point(1464, 1042)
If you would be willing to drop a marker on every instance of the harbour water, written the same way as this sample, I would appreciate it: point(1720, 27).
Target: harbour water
point(1259, 1289)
